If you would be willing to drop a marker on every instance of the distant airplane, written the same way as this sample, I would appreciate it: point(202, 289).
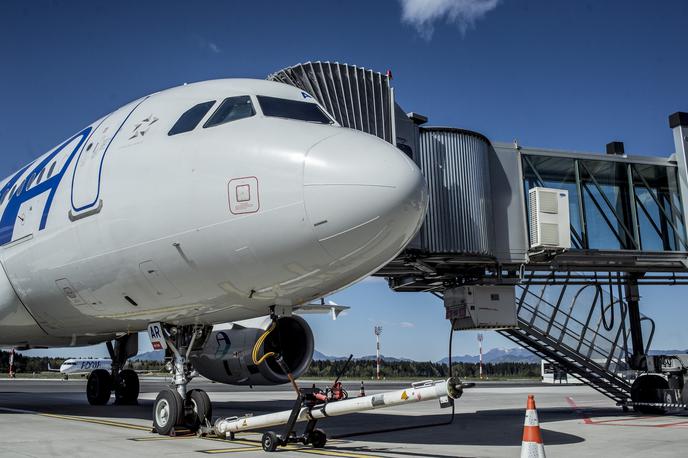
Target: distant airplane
point(74, 366)
point(208, 203)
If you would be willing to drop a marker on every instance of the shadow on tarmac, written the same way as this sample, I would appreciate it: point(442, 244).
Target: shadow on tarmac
point(502, 427)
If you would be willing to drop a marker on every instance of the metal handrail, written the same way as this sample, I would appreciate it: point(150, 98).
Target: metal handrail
point(565, 332)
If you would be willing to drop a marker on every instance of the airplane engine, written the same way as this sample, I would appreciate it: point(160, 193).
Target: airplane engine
point(227, 354)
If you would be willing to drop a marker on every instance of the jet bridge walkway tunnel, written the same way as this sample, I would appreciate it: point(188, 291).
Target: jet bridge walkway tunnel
point(568, 237)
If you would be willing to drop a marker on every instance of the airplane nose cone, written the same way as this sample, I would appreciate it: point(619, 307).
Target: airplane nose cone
point(363, 196)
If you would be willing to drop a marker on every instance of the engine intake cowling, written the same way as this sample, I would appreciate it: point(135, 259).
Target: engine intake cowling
point(226, 355)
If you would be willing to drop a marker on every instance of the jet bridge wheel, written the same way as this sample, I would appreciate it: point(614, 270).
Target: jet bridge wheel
point(168, 411)
point(99, 387)
point(126, 387)
point(649, 388)
point(199, 409)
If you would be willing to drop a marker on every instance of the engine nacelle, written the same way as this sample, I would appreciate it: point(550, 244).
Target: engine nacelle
point(226, 355)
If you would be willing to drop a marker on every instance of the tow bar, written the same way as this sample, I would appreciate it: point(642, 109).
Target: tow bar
point(310, 407)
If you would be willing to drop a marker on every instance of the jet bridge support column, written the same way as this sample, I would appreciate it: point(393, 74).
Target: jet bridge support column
point(637, 360)
point(679, 124)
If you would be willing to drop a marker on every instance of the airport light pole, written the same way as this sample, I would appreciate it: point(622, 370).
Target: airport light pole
point(378, 331)
point(480, 345)
point(12, 372)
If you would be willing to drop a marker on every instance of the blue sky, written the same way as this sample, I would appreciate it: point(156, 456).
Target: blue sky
point(569, 75)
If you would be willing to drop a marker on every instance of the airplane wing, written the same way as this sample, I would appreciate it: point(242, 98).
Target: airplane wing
point(321, 307)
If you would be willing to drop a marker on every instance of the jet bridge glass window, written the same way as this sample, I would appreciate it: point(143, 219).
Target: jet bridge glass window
point(231, 109)
point(293, 109)
point(190, 119)
point(614, 204)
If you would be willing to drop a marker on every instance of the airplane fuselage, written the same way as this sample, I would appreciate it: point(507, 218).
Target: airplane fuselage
point(84, 365)
point(127, 223)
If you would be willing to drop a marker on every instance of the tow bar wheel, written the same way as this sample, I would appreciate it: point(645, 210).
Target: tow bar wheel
point(168, 411)
point(317, 438)
point(269, 441)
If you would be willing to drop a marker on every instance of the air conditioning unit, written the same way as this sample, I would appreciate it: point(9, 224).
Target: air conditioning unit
point(550, 226)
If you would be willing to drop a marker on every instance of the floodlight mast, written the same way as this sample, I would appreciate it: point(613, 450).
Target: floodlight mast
point(378, 331)
point(480, 345)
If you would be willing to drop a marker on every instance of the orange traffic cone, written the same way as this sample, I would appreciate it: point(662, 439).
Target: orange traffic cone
point(532, 446)
point(362, 392)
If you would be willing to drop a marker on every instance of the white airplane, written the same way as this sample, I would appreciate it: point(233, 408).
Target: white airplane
point(76, 366)
point(212, 202)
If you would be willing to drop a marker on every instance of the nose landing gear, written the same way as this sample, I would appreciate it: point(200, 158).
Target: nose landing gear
point(175, 406)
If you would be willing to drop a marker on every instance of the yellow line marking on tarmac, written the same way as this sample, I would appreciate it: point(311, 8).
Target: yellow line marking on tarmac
point(77, 418)
point(160, 438)
point(230, 450)
point(249, 445)
point(334, 453)
point(95, 421)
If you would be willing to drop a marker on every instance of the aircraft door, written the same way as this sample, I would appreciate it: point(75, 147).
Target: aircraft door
point(88, 169)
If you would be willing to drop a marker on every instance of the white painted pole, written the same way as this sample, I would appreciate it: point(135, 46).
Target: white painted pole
point(480, 344)
point(421, 391)
point(378, 331)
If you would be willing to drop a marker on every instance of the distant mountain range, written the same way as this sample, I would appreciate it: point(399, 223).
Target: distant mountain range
point(154, 355)
point(495, 355)
point(317, 356)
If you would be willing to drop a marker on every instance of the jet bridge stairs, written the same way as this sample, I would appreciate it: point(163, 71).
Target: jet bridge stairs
point(583, 329)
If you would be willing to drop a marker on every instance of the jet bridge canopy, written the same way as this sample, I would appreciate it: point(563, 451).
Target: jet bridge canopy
point(625, 216)
point(627, 213)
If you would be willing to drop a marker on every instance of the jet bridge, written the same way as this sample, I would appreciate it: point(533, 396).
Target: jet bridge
point(576, 300)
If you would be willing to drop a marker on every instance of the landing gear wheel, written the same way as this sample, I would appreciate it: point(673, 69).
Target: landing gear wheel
point(168, 411)
point(269, 441)
point(317, 438)
point(126, 387)
point(199, 409)
point(99, 387)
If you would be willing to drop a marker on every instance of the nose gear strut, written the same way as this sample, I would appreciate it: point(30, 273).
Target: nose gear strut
point(176, 406)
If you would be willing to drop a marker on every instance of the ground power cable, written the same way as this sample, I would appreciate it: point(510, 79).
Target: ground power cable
point(409, 427)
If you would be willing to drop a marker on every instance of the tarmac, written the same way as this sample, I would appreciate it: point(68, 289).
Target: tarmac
point(53, 418)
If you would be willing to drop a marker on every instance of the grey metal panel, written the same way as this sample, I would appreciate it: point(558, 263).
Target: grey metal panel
point(356, 97)
point(367, 126)
point(508, 205)
point(325, 87)
point(342, 95)
point(332, 89)
point(456, 166)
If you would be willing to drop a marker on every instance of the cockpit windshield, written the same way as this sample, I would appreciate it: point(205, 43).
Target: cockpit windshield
point(293, 109)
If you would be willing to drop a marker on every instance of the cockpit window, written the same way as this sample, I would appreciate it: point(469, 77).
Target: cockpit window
point(231, 109)
point(293, 109)
point(191, 117)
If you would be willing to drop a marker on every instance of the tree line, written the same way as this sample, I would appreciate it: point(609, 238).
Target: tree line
point(365, 369)
point(28, 364)
point(360, 369)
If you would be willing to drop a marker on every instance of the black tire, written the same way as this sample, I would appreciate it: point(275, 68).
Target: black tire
point(168, 411)
point(317, 438)
point(99, 387)
point(648, 388)
point(127, 387)
point(199, 409)
point(269, 441)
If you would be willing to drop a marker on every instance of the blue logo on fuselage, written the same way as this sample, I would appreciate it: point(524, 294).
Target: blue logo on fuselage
point(9, 215)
